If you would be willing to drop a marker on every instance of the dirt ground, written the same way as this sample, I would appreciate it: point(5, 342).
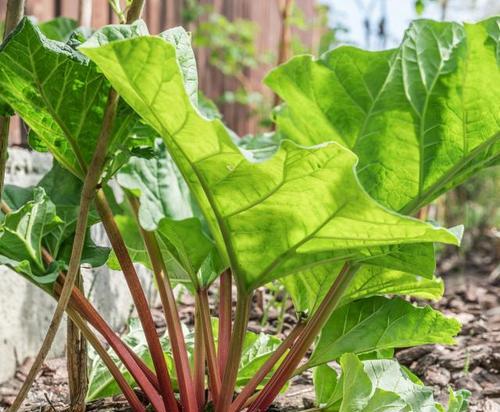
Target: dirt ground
point(472, 296)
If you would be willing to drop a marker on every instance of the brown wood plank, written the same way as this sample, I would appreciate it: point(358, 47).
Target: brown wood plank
point(42, 9)
point(100, 13)
point(69, 8)
point(162, 14)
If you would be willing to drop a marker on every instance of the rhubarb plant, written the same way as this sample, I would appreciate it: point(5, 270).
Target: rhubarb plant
point(327, 206)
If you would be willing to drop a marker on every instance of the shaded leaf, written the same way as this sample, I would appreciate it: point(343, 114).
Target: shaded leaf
point(325, 380)
point(159, 186)
point(21, 234)
point(60, 28)
point(135, 246)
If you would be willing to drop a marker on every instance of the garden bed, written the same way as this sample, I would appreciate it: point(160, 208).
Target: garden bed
point(472, 295)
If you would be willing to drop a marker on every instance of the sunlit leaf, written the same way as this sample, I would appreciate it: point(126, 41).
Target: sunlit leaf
point(422, 117)
point(248, 206)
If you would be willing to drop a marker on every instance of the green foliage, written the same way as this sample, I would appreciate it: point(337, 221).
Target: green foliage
point(59, 94)
point(257, 348)
point(45, 216)
point(231, 44)
point(378, 323)
point(21, 234)
point(376, 386)
point(159, 185)
point(60, 28)
point(363, 139)
point(235, 195)
point(427, 107)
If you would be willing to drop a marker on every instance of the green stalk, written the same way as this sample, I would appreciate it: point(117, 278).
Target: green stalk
point(305, 340)
point(76, 360)
point(179, 351)
point(135, 10)
point(236, 347)
point(87, 196)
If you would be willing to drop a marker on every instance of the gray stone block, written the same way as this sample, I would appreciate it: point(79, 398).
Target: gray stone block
point(26, 311)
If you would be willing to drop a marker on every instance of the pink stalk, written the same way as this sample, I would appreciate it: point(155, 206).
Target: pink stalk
point(225, 321)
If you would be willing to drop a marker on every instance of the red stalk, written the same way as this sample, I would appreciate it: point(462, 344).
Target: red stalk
point(225, 311)
point(79, 304)
point(85, 309)
point(140, 301)
point(214, 379)
point(127, 391)
point(199, 359)
point(304, 341)
point(235, 349)
point(179, 351)
point(252, 385)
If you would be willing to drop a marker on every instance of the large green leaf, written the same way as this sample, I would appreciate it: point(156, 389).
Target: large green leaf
point(422, 117)
point(59, 93)
point(371, 280)
point(377, 385)
point(307, 289)
point(21, 234)
point(379, 323)
point(299, 209)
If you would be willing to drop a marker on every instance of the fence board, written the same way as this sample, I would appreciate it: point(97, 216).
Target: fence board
point(162, 14)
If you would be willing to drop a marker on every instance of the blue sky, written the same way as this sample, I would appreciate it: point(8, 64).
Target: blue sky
point(399, 14)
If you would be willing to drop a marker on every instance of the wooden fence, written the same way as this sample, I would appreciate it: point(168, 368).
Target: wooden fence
point(162, 14)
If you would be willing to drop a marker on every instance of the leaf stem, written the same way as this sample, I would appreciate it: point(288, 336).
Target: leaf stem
point(235, 350)
point(305, 339)
point(135, 10)
point(225, 318)
point(128, 392)
point(170, 311)
point(199, 357)
point(139, 299)
point(139, 371)
point(87, 196)
point(214, 380)
point(76, 361)
point(265, 369)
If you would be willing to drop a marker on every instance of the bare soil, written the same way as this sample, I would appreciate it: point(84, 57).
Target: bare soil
point(472, 296)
